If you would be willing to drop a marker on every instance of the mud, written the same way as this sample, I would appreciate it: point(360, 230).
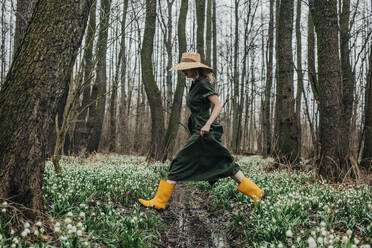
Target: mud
point(193, 221)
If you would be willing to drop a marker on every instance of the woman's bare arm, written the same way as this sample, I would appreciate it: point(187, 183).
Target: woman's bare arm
point(216, 111)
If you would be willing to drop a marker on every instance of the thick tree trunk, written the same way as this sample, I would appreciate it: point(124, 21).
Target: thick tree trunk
point(24, 11)
point(174, 120)
point(152, 90)
point(333, 164)
point(200, 18)
point(97, 111)
point(287, 133)
point(348, 82)
point(41, 71)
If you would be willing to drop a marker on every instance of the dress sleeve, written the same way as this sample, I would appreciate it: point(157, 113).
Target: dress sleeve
point(207, 89)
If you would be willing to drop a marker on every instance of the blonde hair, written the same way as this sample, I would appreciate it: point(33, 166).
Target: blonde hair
point(207, 73)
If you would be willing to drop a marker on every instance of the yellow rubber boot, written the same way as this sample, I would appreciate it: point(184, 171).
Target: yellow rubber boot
point(162, 196)
point(250, 189)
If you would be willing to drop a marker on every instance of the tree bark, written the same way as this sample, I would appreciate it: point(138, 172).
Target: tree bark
point(123, 133)
point(97, 111)
point(269, 81)
point(152, 90)
point(174, 120)
point(235, 127)
point(81, 132)
point(214, 38)
point(299, 77)
point(287, 134)
point(333, 165)
point(367, 150)
point(200, 15)
point(24, 11)
point(348, 82)
point(41, 70)
point(209, 34)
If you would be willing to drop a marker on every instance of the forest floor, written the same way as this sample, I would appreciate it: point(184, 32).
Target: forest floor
point(96, 205)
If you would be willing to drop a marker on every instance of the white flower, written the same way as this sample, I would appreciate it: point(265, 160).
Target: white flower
point(79, 233)
point(324, 233)
point(79, 224)
point(38, 223)
point(349, 232)
point(73, 229)
point(68, 220)
point(69, 226)
point(322, 223)
point(12, 232)
point(311, 242)
point(280, 245)
point(86, 243)
point(15, 241)
point(5, 203)
point(289, 233)
point(82, 214)
point(70, 214)
point(57, 229)
point(57, 224)
point(320, 240)
point(36, 232)
point(298, 239)
point(344, 239)
point(3, 210)
point(27, 225)
point(356, 241)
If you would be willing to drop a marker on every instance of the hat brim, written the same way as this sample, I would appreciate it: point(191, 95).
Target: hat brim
point(189, 65)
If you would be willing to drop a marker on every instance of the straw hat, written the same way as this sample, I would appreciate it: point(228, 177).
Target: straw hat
point(189, 61)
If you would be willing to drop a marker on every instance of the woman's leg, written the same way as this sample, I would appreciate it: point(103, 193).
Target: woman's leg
point(162, 196)
point(238, 177)
point(248, 187)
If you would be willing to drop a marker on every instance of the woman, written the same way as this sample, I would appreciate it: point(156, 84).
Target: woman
point(203, 157)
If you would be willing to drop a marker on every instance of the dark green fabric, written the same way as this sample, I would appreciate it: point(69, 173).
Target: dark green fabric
point(203, 158)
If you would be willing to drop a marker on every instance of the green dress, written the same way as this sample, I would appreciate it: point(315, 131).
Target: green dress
point(203, 158)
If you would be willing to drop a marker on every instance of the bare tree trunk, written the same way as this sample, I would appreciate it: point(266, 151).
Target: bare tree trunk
point(299, 77)
point(152, 90)
point(367, 150)
point(235, 128)
point(269, 81)
point(333, 165)
point(200, 15)
point(123, 117)
point(28, 117)
point(81, 132)
point(287, 134)
point(312, 77)
point(348, 82)
point(209, 34)
point(174, 120)
point(97, 111)
point(214, 37)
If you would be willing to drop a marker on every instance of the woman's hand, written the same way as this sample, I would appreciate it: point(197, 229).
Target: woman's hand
point(205, 129)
